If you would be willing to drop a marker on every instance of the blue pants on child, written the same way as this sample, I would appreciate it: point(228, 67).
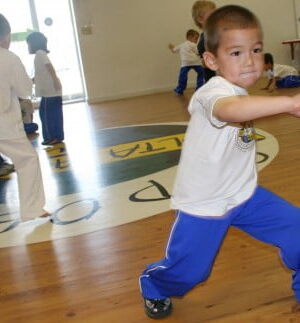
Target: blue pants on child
point(194, 243)
point(183, 77)
point(289, 81)
point(30, 127)
point(51, 116)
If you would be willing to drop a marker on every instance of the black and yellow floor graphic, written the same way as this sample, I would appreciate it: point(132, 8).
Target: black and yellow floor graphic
point(122, 175)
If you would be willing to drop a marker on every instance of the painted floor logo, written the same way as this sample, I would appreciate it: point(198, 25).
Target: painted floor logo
point(124, 175)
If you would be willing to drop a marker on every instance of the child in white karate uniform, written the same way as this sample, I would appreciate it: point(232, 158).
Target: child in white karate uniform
point(15, 84)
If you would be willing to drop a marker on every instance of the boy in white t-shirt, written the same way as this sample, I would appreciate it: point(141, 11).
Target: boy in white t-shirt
point(48, 87)
point(190, 59)
point(216, 184)
point(276, 73)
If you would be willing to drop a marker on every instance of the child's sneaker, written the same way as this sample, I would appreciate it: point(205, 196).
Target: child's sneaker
point(178, 93)
point(158, 308)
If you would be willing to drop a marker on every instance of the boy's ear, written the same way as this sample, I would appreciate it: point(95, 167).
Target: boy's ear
point(5, 41)
point(210, 61)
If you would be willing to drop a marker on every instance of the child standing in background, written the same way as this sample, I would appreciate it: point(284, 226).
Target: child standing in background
point(48, 87)
point(5, 168)
point(200, 12)
point(190, 59)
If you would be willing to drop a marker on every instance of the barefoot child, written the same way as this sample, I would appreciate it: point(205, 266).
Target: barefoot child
point(16, 84)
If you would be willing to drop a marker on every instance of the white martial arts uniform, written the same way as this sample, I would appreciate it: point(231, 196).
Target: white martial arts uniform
point(15, 83)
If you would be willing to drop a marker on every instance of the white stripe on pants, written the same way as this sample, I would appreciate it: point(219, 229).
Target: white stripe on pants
point(30, 183)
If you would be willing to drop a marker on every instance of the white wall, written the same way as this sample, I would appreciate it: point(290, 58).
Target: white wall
point(278, 22)
point(127, 53)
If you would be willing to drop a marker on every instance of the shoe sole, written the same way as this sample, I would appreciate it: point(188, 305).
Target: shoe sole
point(159, 315)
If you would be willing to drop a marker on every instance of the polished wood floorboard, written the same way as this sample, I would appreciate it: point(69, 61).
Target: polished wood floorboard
point(94, 277)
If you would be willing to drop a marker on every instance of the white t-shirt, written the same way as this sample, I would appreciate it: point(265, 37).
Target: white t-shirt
point(188, 53)
point(281, 71)
point(14, 83)
point(217, 168)
point(44, 85)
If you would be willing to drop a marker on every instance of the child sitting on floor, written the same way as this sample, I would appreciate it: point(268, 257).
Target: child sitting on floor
point(279, 75)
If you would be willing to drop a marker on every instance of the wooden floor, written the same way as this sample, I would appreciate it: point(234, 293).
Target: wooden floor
point(94, 277)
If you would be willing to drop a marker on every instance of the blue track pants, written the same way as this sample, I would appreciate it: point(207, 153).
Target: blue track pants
point(183, 77)
point(289, 81)
point(51, 115)
point(194, 243)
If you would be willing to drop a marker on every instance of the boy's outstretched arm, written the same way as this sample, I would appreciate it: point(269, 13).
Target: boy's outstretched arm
point(246, 108)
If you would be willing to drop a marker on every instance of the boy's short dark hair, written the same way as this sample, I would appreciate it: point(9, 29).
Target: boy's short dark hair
point(4, 27)
point(226, 18)
point(192, 33)
point(269, 59)
point(37, 41)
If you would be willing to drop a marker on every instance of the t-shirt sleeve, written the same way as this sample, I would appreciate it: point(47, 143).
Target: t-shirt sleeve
point(194, 49)
point(209, 99)
point(210, 108)
point(20, 80)
point(43, 57)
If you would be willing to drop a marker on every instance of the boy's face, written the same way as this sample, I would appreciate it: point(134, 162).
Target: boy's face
point(194, 39)
point(239, 57)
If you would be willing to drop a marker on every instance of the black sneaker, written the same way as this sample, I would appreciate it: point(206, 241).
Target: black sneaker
point(178, 93)
point(158, 308)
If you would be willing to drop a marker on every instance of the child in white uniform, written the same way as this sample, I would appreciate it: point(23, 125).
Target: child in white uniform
point(216, 184)
point(15, 84)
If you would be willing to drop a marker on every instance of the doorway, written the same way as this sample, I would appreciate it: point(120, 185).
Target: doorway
point(55, 19)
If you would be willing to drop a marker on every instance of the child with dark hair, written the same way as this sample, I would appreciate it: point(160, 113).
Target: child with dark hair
point(279, 75)
point(216, 184)
point(48, 87)
point(190, 59)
